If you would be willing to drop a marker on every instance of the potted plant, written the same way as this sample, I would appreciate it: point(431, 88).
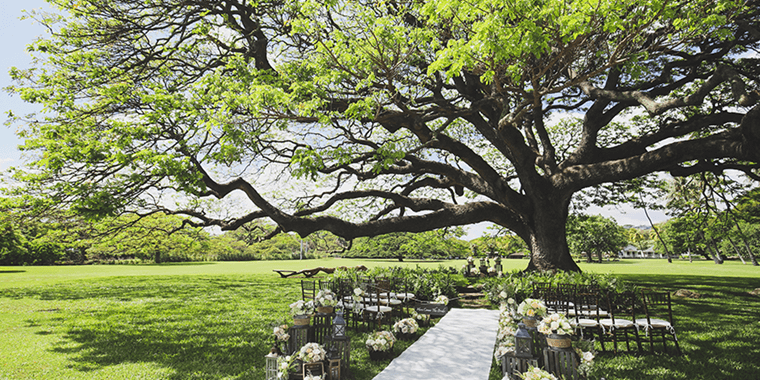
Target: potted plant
point(530, 310)
point(557, 329)
point(406, 328)
point(301, 312)
point(380, 344)
point(325, 301)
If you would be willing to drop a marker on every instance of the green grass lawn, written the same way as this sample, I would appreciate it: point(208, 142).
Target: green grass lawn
point(213, 320)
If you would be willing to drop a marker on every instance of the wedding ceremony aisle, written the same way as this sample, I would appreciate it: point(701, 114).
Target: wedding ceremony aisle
point(460, 346)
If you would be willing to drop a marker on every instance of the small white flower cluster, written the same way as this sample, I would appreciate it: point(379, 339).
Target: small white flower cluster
point(280, 332)
point(441, 299)
point(406, 326)
point(312, 353)
point(492, 270)
point(587, 361)
point(531, 308)
point(380, 341)
point(326, 297)
point(504, 347)
point(474, 271)
point(283, 367)
point(420, 317)
point(301, 308)
point(537, 374)
point(311, 377)
point(557, 324)
point(505, 334)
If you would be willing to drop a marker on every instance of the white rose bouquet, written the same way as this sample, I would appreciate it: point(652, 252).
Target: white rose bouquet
point(503, 349)
point(555, 324)
point(326, 297)
point(284, 366)
point(531, 308)
point(312, 353)
point(301, 308)
point(406, 326)
point(380, 341)
point(441, 299)
point(537, 374)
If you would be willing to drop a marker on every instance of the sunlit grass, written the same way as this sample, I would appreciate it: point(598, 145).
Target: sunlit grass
point(213, 320)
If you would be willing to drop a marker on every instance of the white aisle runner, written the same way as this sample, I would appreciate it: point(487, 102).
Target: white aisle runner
point(459, 347)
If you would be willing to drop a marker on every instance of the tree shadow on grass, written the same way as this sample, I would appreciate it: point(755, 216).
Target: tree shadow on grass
point(717, 331)
point(204, 327)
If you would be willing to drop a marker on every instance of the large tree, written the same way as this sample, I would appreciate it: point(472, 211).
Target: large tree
point(369, 117)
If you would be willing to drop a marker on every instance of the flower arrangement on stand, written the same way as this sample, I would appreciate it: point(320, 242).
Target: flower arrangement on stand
point(422, 319)
point(557, 328)
point(531, 309)
point(505, 347)
point(537, 374)
point(379, 344)
point(301, 311)
point(285, 364)
point(406, 328)
point(310, 377)
point(555, 324)
point(325, 301)
point(312, 353)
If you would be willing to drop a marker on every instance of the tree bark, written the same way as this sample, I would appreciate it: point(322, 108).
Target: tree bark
point(547, 237)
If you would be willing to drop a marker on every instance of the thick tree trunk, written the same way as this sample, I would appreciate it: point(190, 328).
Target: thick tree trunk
point(547, 238)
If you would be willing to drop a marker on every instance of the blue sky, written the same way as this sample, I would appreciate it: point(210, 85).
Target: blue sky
point(16, 34)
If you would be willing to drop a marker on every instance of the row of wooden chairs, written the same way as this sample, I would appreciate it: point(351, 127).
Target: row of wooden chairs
point(377, 305)
point(618, 318)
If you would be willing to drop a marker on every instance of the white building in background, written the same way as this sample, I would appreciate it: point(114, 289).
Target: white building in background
point(631, 252)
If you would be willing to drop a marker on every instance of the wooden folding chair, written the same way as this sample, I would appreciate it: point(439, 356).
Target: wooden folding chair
point(658, 325)
point(621, 325)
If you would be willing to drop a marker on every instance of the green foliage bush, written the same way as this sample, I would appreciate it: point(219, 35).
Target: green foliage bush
point(425, 283)
point(519, 284)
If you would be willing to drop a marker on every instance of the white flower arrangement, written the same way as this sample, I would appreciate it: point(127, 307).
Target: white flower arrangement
point(312, 353)
point(326, 297)
point(555, 324)
point(587, 361)
point(380, 341)
point(441, 299)
point(420, 317)
point(311, 377)
point(470, 259)
point(506, 331)
point(491, 270)
point(537, 374)
point(280, 333)
point(301, 308)
point(531, 308)
point(504, 348)
point(474, 271)
point(406, 326)
point(284, 365)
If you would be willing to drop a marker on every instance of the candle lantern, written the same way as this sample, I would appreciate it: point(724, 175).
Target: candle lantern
point(523, 342)
point(271, 364)
point(339, 346)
